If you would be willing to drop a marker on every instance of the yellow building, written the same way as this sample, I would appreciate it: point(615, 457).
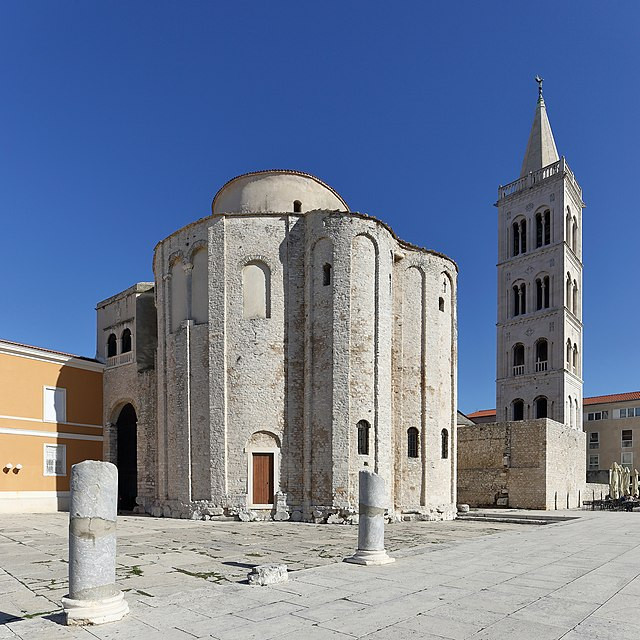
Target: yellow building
point(50, 418)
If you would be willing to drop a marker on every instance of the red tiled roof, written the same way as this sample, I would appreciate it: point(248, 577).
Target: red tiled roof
point(614, 397)
point(482, 414)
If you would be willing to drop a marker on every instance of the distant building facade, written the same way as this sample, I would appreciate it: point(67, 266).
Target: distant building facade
point(50, 418)
point(285, 344)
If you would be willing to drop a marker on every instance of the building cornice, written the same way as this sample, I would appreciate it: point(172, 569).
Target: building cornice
point(48, 355)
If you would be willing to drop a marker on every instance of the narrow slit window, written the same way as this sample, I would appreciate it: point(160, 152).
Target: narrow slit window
point(444, 441)
point(326, 275)
point(297, 206)
point(412, 442)
point(363, 438)
point(441, 304)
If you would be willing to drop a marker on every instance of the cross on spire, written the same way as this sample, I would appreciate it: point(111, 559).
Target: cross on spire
point(539, 80)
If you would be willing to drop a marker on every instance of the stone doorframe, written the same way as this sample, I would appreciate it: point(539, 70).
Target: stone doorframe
point(275, 451)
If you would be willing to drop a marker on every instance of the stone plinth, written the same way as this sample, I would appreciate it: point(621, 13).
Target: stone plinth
point(372, 500)
point(93, 596)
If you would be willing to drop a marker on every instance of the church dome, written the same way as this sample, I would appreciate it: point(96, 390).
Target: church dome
point(276, 190)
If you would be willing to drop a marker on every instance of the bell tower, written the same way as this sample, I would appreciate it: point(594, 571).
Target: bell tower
point(539, 324)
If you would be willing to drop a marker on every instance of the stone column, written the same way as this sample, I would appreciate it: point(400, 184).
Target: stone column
point(93, 596)
point(372, 498)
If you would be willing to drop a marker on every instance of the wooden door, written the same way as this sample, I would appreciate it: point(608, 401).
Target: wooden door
point(263, 478)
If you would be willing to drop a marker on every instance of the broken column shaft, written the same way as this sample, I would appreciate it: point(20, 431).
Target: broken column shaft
point(93, 596)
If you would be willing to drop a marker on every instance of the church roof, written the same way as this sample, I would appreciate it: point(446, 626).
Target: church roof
point(541, 148)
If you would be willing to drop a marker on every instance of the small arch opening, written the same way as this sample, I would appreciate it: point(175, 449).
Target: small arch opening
point(540, 406)
point(517, 410)
point(441, 304)
point(297, 206)
point(326, 275)
point(518, 359)
point(444, 442)
point(363, 437)
point(112, 345)
point(412, 442)
point(125, 341)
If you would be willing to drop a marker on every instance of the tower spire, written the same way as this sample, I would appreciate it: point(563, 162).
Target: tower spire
point(541, 148)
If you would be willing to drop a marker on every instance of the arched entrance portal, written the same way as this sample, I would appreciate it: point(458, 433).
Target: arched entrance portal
point(127, 458)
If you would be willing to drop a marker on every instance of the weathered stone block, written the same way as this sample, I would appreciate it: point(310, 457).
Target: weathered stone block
point(266, 574)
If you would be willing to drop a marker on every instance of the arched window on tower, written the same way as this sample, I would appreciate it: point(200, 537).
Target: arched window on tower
point(540, 405)
point(574, 235)
point(297, 206)
point(444, 442)
point(575, 359)
point(569, 287)
point(517, 409)
point(569, 352)
point(575, 297)
point(363, 437)
point(112, 345)
point(542, 293)
point(542, 355)
point(518, 359)
point(412, 442)
point(519, 299)
point(567, 233)
point(543, 228)
point(125, 341)
point(519, 237)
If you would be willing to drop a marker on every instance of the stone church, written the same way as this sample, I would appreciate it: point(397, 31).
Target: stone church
point(285, 344)
point(534, 455)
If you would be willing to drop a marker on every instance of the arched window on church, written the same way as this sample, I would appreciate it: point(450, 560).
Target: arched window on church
point(297, 206)
point(569, 352)
point(540, 405)
point(542, 355)
point(256, 290)
point(575, 359)
point(444, 442)
point(542, 292)
point(517, 409)
point(567, 233)
point(575, 297)
point(569, 287)
point(326, 275)
point(125, 341)
point(518, 359)
point(112, 345)
point(574, 235)
point(363, 437)
point(412, 442)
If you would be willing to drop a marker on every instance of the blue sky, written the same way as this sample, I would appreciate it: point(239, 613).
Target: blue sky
point(120, 121)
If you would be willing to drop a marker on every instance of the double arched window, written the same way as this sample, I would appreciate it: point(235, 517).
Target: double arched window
point(519, 299)
point(542, 292)
point(543, 228)
point(519, 229)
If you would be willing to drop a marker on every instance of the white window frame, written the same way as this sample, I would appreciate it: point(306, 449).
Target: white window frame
point(629, 454)
point(626, 444)
point(59, 449)
point(44, 404)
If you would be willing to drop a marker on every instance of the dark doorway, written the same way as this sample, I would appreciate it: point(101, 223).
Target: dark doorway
point(127, 458)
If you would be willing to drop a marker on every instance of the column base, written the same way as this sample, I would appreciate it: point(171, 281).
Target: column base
point(87, 612)
point(362, 556)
